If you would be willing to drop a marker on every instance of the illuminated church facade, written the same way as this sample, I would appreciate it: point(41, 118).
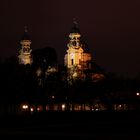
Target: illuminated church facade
point(25, 51)
point(52, 80)
point(77, 60)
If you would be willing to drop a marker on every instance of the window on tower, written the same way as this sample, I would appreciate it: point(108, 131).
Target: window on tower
point(74, 43)
point(71, 61)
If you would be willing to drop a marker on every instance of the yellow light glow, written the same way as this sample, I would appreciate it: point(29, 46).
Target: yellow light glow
point(39, 108)
point(53, 97)
point(31, 109)
point(24, 106)
point(63, 106)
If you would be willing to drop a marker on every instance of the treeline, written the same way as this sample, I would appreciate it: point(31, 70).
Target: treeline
point(20, 83)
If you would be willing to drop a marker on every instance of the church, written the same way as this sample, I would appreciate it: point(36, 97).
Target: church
point(25, 51)
point(77, 60)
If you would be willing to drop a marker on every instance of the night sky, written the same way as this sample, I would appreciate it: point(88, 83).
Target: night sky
point(111, 29)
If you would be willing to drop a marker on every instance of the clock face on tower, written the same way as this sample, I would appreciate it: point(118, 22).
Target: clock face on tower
point(74, 43)
point(72, 55)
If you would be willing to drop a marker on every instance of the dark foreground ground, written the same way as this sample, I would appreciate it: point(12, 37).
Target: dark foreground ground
point(83, 125)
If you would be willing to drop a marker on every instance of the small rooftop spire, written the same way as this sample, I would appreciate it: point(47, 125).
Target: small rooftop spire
point(25, 35)
point(25, 29)
point(75, 28)
point(75, 21)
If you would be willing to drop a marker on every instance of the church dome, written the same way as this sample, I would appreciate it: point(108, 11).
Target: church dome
point(75, 28)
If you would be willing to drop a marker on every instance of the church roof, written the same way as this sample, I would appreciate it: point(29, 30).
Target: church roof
point(85, 47)
point(75, 28)
point(25, 35)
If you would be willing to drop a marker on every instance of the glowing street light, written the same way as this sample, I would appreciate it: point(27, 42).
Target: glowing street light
point(39, 108)
point(25, 107)
point(63, 106)
point(31, 109)
point(53, 97)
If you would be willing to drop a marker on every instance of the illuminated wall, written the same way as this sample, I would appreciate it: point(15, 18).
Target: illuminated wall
point(25, 51)
point(76, 59)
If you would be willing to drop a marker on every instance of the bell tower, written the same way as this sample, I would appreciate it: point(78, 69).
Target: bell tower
point(76, 59)
point(75, 51)
point(25, 51)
